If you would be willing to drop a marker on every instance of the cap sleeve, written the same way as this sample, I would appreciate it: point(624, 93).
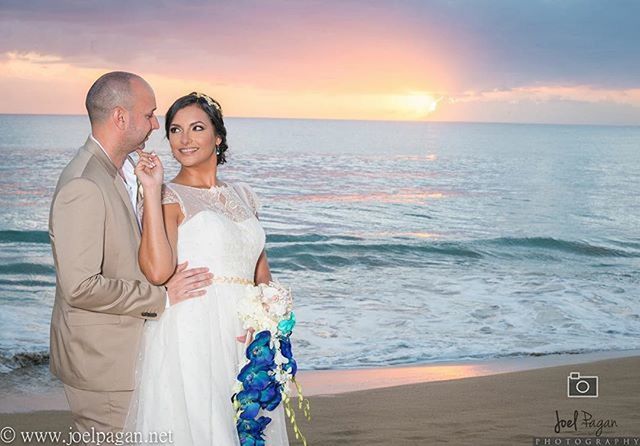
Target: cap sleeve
point(169, 196)
point(250, 198)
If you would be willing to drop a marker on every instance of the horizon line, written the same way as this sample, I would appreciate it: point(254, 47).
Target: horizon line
point(423, 121)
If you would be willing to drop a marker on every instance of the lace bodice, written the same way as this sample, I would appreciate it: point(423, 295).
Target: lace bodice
point(220, 228)
point(223, 199)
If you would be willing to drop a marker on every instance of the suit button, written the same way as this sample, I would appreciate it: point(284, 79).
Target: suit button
point(149, 314)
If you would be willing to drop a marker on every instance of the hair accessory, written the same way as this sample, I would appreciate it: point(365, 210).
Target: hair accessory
point(208, 99)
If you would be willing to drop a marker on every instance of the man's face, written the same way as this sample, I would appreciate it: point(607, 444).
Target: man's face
point(142, 120)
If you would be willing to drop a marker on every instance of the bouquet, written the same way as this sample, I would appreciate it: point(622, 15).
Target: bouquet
point(268, 369)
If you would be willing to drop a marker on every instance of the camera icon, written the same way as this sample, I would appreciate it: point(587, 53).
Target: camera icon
point(582, 386)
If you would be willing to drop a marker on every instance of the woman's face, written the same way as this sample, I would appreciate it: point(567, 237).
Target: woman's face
point(192, 136)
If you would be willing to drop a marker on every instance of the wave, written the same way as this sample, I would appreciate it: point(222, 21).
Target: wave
point(325, 253)
point(574, 247)
point(464, 248)
point(11, 362)
point(10, 236)
point(354, 250)
point(27, 268)
point(325, 257)
point(24, 237)
point(286, 238)
point(28, 283)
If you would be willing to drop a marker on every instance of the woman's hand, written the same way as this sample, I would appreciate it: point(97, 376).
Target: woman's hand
point(243, 339)
point(149, 170)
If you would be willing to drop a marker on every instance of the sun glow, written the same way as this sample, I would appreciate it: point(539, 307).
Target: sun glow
point(422, 104)
point(416, 105)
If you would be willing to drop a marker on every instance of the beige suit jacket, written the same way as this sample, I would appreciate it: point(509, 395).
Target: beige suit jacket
point(102, 298)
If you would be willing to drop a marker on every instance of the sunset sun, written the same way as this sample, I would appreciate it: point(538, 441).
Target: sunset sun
point(421, 104)
point(416, 105)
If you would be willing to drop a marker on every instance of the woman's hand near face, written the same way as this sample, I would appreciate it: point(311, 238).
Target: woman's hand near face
point(149, 170)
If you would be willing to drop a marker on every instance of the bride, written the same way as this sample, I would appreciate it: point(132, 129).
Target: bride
point(189, 358)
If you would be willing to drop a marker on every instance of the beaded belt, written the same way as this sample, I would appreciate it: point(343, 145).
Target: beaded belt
point(227, 279)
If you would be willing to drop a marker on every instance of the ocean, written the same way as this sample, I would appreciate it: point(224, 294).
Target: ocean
point(403, 242)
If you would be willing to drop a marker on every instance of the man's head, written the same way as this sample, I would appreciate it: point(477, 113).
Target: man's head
point(122, 105)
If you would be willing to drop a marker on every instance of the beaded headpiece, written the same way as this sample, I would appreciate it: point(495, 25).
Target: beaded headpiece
point(212, 103)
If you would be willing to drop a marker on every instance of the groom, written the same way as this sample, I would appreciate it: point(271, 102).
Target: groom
point(102, 298)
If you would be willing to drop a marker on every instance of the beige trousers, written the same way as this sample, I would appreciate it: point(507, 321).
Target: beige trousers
point(102, 411)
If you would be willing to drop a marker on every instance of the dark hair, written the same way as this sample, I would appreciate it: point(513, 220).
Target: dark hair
point(211, 107)
point(106, 93)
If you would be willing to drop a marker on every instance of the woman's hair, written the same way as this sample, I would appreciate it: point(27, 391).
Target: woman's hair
point(211, 107)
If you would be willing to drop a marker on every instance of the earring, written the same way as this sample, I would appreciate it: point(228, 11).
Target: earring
point(217, 150)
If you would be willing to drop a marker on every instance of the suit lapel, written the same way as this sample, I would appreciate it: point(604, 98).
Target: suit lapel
point(93, 148)
point(118, 181)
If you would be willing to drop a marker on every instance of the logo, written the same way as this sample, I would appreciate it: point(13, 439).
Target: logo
point(588, 422)
point(582, 386)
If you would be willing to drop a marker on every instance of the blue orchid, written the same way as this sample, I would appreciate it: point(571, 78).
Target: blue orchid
point(261, 338)
point(254, 378)
point(249, 440)
point(249, 403)
point(253, 427)
point(291, 366)
point(259, 352)
point(271, 396)
point(285, 348)
point(263, 421)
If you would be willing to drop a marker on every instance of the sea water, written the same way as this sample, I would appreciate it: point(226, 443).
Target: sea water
point(403, 242)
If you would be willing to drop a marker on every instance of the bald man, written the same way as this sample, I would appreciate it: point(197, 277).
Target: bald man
point(102, 298)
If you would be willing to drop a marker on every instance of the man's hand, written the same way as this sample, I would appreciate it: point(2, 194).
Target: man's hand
point(188, 283)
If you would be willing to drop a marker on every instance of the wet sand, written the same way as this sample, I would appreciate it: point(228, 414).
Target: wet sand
point(457, 404)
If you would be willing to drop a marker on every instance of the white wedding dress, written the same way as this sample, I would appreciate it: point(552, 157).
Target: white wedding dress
point(189, 357)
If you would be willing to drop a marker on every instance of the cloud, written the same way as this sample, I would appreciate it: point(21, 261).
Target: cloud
point(481, 51)
point(481, 44)
point(549, 93)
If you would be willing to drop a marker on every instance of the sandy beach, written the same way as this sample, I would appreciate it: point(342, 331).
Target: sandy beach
point(490, 405)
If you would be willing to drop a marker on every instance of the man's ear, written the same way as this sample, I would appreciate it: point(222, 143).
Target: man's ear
point(120, 117)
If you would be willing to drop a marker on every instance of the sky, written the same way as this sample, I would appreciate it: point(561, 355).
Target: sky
point(534, 61)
